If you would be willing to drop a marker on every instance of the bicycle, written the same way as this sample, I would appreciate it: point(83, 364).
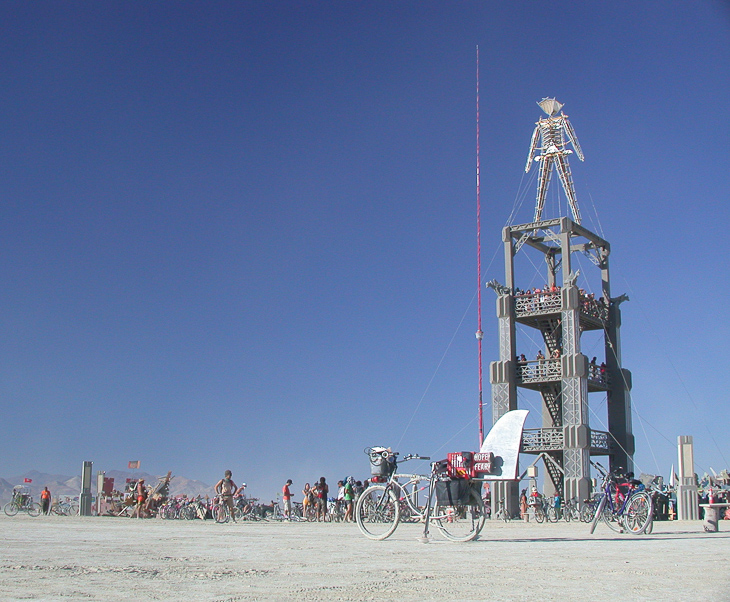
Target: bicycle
point(589, 510)
point(454, 505)
point(222, 513)
point(623, 505)
point(22, 501)
point(336, 511)
point(278, 513)
point(502, 513)
point(64, 508)
point(571, 511)
point(552, 514)
point(538, 506)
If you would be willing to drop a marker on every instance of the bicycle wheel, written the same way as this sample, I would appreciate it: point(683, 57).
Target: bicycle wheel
point(638, 513)
point(649, 527)
point(461, 523)
point(34, 509)
point(552, 515)
point(73, 510)
point(586, 514)
point(220, 512)
point(612, 519)
point(377, 512)
point(539, 514)
point(598, 513)
point(11, 508)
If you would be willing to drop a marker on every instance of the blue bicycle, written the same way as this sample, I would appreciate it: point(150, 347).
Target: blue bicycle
point(623, 504)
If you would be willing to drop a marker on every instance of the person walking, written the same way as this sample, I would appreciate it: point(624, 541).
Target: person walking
point(286, 494)
point(46, 501)
point(225, 488)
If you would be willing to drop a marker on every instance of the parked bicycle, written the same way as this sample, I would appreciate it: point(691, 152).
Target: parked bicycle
point(221, 512)
point(589, 509)
point(278, 513)
point(571, 510)
point(501, 513)
point(623, 505)
point(538, 506)
point(65, 508)
point(22, 502)
point(552, 513)
point(454, 505)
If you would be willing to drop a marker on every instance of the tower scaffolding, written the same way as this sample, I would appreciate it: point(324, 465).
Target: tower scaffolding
point(562, 312)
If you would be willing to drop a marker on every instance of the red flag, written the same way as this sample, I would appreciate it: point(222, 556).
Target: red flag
point(27, 480)
point(133, 464)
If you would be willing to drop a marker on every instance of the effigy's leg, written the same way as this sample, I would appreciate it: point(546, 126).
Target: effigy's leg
point(546, 167)
point(567, 181)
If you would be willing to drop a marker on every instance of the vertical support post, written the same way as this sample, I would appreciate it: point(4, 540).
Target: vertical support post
point(618, 397)
point(574, 383)
point(99, 492)
point(85, 498)
point(502, 373)
point(687, 503)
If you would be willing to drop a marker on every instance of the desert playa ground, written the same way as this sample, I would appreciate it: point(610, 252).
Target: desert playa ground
point(76, 558)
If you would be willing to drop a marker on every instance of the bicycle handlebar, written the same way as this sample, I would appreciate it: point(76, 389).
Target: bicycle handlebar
point(599, 468)
point(386, 453)
point(414, 457)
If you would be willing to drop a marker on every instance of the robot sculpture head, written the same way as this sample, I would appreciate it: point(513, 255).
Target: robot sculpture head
point(550, 106)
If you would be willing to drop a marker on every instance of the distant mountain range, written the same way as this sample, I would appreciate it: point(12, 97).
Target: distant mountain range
point(64, 485)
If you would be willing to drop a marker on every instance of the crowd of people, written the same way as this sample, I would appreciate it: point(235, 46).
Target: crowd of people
point(319, 502)
point(539, 367)
point(316, 499)
point(538, 298)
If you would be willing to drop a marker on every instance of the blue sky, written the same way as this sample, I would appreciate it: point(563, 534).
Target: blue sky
point(242, 235)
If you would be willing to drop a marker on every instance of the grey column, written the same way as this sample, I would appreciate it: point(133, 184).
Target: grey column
point(687, 501)
point(574, 384)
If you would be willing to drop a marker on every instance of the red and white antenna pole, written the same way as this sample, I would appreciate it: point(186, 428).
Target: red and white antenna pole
point(479, 334)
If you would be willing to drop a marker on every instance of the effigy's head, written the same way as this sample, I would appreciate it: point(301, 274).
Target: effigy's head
point(550, 106)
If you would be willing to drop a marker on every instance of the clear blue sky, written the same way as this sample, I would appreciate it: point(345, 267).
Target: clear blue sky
point(242, 235)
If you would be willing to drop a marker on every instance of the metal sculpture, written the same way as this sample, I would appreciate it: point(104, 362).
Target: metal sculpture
point(554, 152)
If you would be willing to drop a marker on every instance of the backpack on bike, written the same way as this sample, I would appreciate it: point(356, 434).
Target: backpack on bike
point(454, 492)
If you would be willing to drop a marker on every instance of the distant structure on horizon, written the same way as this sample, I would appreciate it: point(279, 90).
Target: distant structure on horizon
point(561, 312)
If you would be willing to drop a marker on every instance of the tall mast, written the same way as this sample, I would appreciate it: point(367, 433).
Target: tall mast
point(479, 333)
